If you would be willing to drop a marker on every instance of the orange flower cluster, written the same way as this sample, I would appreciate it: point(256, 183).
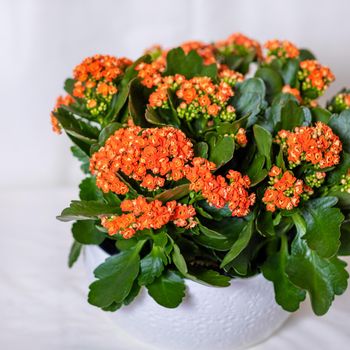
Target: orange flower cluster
point(340, 102)
point(206, 51)
point(285, 190)
point(217, 191)
point(280, 49)
point(230, 76)
point(142, 214)
point(149, 156)
point(95, 80)
point(241, 137)
point(151, 73)
point(289, 90)
point(199, 97)
point(239, 44)
point(152, 156)
point(61, 101)
point(312, 75)
point(317, 145)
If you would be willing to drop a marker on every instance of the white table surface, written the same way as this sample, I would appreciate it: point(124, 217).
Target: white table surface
point(43, 303)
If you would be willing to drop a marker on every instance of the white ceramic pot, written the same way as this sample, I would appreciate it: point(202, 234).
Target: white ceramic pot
point(229, 318)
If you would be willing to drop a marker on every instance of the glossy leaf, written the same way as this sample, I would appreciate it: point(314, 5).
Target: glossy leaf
point(190, 65)
point(223, 151)
point(74, 253)
point(152, 265)
point(239, 244)
point(86, 210)
point(89, 191)
point(179, 260)
point(263, 141)
point(167, 290)
point(274, 269)
point(272, 79)
point(84, 159)
point(323, 225)
point(340, 124)
point(209, 278)
point(116, 277)
point(85, 232)
point(322, 278)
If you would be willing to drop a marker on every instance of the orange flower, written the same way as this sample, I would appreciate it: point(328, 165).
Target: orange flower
point(317, 145)
point(289, 90)
point(206, 51)
point(238, 42)
point(198, 96)
point(312, 75)
point(281, 49)
point(149, 156)
point(217, 191)
point(95, 80)
point(229, 76)
point(284, 191)
point(142, 214)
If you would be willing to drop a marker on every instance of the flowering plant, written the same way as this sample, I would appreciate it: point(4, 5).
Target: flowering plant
point(194, 171)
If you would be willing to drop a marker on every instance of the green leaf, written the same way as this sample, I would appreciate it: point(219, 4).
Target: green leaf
point(135, 290)
point(175, 193)
point(85, 232)
point(249, 99)
point(305, 54)
point(320, 115)
point(179, 260)
point(345, 238)
point(321, 278)
point(216, 212)
point(264, 224)
point(74, 253)
point(340, 124)
point(223, 151)
point(201, 150)
point(291, 116)
point(290, 72)
point(212, 239)
point(239, 244)
point(274, 269)
point(167, 290)
point(263, 141)
point(272, 79)
point(81, 155)
point(116, 277)
point(69, 86)
point(209, 278)
point(86, 210)
point(89, 191)
point(76, 127)
point(124, 86)
point(255, 172)
point(190, 65)
point(152, 265)
point(323, 225)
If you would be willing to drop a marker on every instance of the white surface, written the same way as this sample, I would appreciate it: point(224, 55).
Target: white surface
point(231, 318)
point(41, 42)
point(43, 303)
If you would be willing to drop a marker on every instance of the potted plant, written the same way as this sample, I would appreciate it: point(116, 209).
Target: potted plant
point(204, 186)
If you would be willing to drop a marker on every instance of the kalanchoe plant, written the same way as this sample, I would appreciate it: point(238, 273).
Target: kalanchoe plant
point(195, 172)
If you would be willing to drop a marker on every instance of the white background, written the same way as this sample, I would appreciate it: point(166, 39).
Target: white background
point(42, 304)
